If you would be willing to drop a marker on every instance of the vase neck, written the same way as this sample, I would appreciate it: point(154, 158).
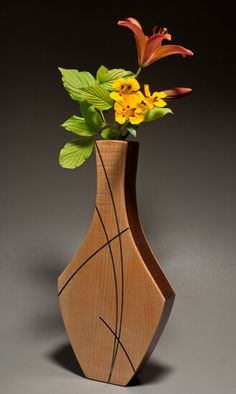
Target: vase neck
point(116, 177)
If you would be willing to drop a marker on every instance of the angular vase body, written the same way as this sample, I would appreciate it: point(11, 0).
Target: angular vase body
point(114, 297)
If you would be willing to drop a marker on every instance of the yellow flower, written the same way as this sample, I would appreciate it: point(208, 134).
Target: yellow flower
point(154, 99)
point(122, 87)
point(129, 108)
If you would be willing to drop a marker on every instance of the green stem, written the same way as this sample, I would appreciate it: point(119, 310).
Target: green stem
point(103, 117)
point(125, 136)
point(138, 72)
point(122, 127)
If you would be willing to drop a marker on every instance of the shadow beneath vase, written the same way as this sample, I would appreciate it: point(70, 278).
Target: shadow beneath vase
point(64, 356)
point(152, 372)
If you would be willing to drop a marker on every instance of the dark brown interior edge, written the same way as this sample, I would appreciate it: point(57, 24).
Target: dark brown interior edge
point(135, 225)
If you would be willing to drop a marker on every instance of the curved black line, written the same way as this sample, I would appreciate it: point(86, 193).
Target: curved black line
point(115, 282)
point(128, 357)
point(121, 258)
point(90, 257)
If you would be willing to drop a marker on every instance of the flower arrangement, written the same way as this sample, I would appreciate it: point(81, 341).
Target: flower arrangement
point(117, 91)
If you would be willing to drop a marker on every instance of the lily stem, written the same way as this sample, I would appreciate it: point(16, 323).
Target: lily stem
point(138, 72)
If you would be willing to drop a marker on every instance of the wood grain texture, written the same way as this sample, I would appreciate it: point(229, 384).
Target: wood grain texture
point(114, 297)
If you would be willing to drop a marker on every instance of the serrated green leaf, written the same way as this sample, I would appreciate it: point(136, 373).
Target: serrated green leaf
point(97, 96)
point(75, 152)
point(79, 126)
point(101, 73)
point(131, 130)
point(91, 115)
point(108, 77)
point(75, 80)
point(156, 113)
point(110, 134)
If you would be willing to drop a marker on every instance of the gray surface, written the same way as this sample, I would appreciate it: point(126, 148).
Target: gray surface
point(192, 231)
point(186, 193)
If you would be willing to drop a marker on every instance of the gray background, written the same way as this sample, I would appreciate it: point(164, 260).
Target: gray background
point(186, 191)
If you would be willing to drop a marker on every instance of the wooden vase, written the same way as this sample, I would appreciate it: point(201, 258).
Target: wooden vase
point(114, 297)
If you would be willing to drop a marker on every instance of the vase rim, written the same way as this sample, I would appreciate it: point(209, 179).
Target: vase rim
point(116, 141)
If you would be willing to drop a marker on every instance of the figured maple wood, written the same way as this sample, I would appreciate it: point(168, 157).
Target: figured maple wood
point(114, 297)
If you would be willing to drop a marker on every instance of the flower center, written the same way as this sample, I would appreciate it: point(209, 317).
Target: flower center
point(128, 111)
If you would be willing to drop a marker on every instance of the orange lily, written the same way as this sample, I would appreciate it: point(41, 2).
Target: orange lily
point(150, 49)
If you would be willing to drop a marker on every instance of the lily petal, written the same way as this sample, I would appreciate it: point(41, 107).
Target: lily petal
point(153, 43)
point(134, 21)
point(140, 37)
point(164, 51)
point(177, 92)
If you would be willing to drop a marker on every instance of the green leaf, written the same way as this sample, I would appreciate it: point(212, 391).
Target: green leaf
point(75, 153)
point(156, 113)
point(75, 80)
point(110, 134)
point(78, 126)
point(91, 115)
point(107, 77)
point(101, 73)
point(131, 130)
point(97, 96)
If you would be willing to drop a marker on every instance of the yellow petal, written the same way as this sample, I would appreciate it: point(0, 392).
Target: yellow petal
point(116, 96)
point(138, 97)
point(136, 119)
point(139, 109)
point(141, 96)
point(120, 118)
point(118, 106)
point(132, 99)
point(128, 100)
point(132, 84)
point(147, 90)
point(118, 84)
point(160, 103)
point(149, 103)
point(161, 94)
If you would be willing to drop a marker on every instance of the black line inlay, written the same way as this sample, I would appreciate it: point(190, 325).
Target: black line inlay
point(128, 357)
point(121, 259)
point(90, 257)
point(115, 283)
